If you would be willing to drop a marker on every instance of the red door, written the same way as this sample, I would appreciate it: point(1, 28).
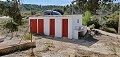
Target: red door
point(52, 27)
point(33, 25)
point(40, 26)
point(65, 27)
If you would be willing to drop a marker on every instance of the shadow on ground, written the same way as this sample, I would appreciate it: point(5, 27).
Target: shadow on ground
point(85, 41)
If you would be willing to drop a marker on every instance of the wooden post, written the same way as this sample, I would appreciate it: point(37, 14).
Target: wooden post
point(119, 25)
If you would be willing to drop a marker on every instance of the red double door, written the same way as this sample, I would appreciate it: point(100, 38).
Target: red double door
point(65, 28)
point(40, 26)
point(33, 26)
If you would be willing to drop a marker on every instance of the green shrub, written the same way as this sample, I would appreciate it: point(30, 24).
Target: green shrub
point(28, 36)
point(1, 25)
point(11, 26)
point(112, 24)
point(110, 21)
point(87, 18)
point(111, 30)
point(96, 21)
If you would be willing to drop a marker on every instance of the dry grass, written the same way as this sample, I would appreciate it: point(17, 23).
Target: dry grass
point(114, 46)
point(47, 46)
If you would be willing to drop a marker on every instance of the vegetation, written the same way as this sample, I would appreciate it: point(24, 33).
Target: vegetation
point(11, 26)
point(92, 26)
point(28, 36)
point(92, 5)
point(11, 9)
point(108, 22)
point(47, 46)
point(103, 14)
point(87, 18)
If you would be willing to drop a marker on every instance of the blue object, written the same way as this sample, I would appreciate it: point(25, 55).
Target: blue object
point(50, 12)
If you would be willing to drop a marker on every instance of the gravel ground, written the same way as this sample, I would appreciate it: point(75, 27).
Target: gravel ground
point(99, 46)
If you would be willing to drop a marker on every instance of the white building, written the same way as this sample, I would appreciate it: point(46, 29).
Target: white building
point(58, 25)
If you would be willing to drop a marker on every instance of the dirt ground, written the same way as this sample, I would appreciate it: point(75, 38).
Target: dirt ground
point(98, 46)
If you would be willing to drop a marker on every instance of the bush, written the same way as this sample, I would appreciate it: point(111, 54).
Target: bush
point(111, 30)
point(112, 24)
point(28, 36)
point(87, 18)
point(96, 21)
point(1, 25)
point(11, 26)
point(111, 20)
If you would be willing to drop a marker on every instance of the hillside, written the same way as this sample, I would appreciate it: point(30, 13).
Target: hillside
point(38, 7)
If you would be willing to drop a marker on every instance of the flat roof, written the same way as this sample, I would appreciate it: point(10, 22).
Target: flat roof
point(56, 16)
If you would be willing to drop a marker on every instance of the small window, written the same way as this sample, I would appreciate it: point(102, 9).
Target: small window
point(77, 20)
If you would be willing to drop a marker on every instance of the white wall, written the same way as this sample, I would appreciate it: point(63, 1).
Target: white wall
point(70, 28)
point(75, 34)
point(58, 27)
point(76, 25)
point(75, 20)
point(46, 26)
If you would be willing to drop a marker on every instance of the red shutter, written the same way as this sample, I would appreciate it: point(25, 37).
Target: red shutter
point(33, 25)
point(40, 26)
point(52, 27)
point(65, 27)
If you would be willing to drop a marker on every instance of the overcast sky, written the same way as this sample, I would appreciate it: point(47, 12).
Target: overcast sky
point(49, 2)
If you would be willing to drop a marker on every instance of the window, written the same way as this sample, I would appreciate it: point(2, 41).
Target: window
point(77, 20)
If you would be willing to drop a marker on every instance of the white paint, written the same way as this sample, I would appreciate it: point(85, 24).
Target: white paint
point(75, 34)
point(58, 27)
point(70, 28)
point(29, 25)
point(74, 24)
point(46, 26)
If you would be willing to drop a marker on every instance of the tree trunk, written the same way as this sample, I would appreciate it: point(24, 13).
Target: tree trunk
point(119, 25)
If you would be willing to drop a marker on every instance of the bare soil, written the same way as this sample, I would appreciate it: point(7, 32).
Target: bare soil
point(99, 46)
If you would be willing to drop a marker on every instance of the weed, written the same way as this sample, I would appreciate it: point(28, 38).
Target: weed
point(27, 36)
point(48, 45)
